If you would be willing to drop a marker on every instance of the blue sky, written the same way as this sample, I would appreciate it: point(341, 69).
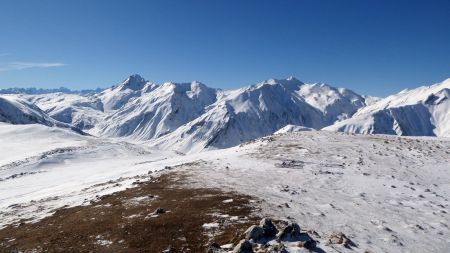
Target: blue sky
point(374, 47)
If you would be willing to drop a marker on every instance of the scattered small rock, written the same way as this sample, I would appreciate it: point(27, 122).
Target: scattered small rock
point(277, 248)
point(419, 227)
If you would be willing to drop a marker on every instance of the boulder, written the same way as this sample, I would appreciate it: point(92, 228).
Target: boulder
point(243, 246)
point(159, 210)
point(268, 227)
point(292, 230)
point(308, 244)
point(214, 248)
point(254, 233)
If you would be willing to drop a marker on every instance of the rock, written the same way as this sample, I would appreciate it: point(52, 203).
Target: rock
point(159, 210)
point(308, 244)
point(169, 249)
point(214, 248)
point(313, 232)
point(243, 246)
point(254, 232)
point(292, 230)
point(341, 238)
point(268, 227)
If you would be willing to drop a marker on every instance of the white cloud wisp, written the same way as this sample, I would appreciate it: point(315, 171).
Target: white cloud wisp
point(29, 65)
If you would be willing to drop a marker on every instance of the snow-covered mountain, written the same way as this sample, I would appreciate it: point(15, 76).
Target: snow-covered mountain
point(424, 111)
point(83, 112)
point(259, 110)
point(159, 110)
point(334, 103)
point(15, 110)
point(190, 117)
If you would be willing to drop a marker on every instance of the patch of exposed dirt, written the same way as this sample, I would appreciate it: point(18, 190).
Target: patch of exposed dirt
point(126, 221)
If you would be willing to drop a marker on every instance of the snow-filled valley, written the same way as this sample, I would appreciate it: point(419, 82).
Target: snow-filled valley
point(384, 182)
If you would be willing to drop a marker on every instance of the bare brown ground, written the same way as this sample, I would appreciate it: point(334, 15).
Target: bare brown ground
point(122, 221)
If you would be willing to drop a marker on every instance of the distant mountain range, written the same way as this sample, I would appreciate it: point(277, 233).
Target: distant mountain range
point(190, 117)
point(35, 91)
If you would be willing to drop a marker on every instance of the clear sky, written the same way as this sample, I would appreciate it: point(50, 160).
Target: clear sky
point(374, 47)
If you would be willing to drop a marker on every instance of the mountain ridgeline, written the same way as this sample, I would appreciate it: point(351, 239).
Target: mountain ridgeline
point(190, 117)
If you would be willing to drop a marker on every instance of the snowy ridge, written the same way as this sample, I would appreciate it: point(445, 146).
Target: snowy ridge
point(424, 111)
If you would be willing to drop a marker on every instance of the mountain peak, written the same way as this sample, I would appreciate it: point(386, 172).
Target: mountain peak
point(289, 83)
point(134, 82)
point(292, 78)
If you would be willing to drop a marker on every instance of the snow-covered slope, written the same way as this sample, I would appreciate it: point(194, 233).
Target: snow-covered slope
point(424, 111)
point(19, 142)
point(259, 110)
point(385, 193)
point(53, 167)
